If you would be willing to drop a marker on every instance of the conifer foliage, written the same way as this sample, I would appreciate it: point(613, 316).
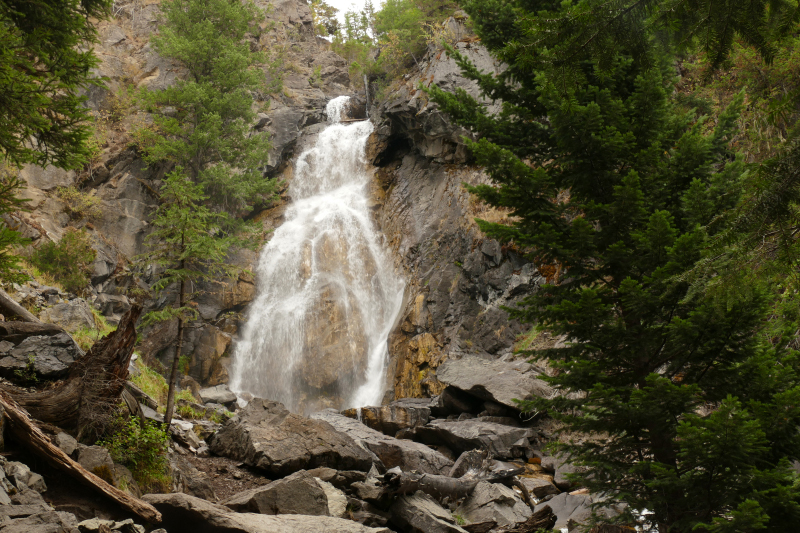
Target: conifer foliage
point(693, 415)
point(202, 129)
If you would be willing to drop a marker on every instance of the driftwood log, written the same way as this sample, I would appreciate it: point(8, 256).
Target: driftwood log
point(84, 402)
point(9, 308)
point(27, 433)
point(442, 486)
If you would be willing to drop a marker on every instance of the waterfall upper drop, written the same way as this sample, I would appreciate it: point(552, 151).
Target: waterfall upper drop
point(328, 295)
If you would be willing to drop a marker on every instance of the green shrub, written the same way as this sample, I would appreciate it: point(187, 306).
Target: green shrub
point(143, 450)
point(67, 261)
point(80, 204)
point(151, 382)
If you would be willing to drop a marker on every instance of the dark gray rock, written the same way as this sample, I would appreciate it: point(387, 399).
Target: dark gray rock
point(504, 442)
point(189, 480)
point(496, 381)
point(182, 512)
point(299, 493)
point(539, 486)
point(469, 460)
point(392, 452)
point(66, 443)
point(45, 522)
point(420, 513)
point(566, 507)
point(390, 419)
point(71, 316)
point(267, 436)
point(560, 466)
point(220, 394)
point(51, 355)
point(96, 460)
point(496, 503)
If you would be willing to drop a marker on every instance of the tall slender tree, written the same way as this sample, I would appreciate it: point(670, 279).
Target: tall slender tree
point(188, 247)
point(203, 126)
point(694, 416)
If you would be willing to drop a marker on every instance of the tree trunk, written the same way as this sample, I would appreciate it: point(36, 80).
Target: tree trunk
point(173, 375)
point(442, 486)
point(84, 401)
point(9, 308)
point(28, 434)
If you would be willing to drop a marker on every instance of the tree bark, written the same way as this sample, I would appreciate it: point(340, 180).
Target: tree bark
point(84, 401)
point(173, 375)
point(27, 433)
point(442, 486)
point(9, 308)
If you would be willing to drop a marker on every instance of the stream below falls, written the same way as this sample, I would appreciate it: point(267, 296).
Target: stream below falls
point(328, 294)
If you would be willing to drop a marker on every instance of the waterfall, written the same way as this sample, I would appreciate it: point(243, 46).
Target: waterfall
point(327, 292)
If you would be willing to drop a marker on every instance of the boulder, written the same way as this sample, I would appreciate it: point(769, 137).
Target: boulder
point(299, 493)
point(497, 381)
point(392, 452)
point(496, 503)
point(189, 480)
point(72, 315)
point(420, 513)
point(96, 460)
point(43, 522)
point(123, 480)
point(568, 507)
point(267, 436)
point(337, 501)
point(470, 460)
point(539, 486)
point(181, 512)
point(66, 443)
point(392, 418)
point(560, 466)
point(504, 442)
point(220, 394)
point(50, 355)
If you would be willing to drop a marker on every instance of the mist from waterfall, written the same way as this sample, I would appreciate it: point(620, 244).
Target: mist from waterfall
point(327, 291)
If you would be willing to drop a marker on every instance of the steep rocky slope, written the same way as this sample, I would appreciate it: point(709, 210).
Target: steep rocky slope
point(457, 280)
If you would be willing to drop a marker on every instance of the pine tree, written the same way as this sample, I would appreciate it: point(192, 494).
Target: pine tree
point(619, 188)
point(45, 69)
point(188, 246)
point(204, 123)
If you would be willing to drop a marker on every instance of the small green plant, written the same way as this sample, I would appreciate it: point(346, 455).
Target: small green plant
point(67, 261)
point(28, 375)
point(459, 519)
point(143, 450)
point(151, 382)
point(80, 204)
point(183, 365)
point(316, 77)
point(86, 337)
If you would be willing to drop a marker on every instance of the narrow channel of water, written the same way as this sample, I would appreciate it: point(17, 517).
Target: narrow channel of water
point(327, 291)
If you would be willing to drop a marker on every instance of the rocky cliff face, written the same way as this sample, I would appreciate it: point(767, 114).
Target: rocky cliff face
point(124, 187)
point(457, 279)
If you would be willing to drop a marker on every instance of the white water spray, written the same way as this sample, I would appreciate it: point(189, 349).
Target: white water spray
point(328, 295)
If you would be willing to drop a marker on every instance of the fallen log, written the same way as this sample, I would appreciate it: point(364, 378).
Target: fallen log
point(27, 433)
point(9, 308)
point(442, 486)
point(16, 332)
point(85, 401)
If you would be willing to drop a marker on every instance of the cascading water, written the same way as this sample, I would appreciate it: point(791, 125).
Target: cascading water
point(328, 295)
